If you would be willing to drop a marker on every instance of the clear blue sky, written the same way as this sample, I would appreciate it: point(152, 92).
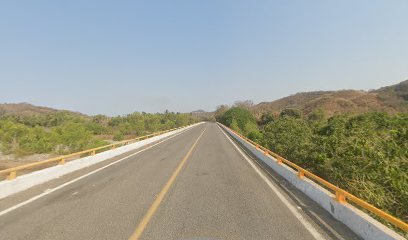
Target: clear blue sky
point(116, 57)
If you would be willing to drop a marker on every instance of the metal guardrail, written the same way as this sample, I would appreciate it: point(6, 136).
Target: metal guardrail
point(341, 195)
point(11, 173)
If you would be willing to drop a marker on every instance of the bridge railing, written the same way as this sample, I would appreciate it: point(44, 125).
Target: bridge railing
point(11, 173)
point(340, 195)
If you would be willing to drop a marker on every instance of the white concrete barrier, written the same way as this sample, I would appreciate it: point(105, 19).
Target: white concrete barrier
point(359, 222)
point(21, 183)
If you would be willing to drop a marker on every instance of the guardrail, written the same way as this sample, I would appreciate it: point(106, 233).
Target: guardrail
point(11, 173)
point(341, 195)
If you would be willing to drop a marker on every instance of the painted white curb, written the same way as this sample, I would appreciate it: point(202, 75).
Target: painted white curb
point(21, 183)
point(358, 221)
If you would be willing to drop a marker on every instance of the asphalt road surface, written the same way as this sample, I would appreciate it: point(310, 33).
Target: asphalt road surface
point(196, 185)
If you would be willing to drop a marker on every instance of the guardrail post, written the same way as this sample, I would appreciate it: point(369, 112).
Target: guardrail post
point(12, 175)
point(93, 153)
point(113, 147)
point(301, 174)
point(279, 160)
point(62, 161)
point(340, 197)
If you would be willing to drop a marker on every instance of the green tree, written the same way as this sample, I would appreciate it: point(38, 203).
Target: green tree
point(291, 112)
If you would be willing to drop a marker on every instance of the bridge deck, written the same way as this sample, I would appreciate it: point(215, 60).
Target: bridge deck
point(217, 194)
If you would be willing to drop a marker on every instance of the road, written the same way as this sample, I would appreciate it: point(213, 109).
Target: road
point(196, 185)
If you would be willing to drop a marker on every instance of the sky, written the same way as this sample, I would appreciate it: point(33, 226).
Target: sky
point(117, 57)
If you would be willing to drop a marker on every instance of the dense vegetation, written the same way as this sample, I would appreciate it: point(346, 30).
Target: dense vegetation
point(64, 132)
point(365, 154)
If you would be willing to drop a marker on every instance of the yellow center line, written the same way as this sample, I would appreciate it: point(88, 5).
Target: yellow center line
point(153, 208)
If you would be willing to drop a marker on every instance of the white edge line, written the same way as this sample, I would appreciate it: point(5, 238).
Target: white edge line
point(81, 177)
point(302, 205)
point(293, 209)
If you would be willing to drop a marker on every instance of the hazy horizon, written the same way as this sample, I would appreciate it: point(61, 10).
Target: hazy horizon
point(115, 58)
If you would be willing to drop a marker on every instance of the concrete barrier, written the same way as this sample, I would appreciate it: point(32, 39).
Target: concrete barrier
point(21, 183)
point(359, 222)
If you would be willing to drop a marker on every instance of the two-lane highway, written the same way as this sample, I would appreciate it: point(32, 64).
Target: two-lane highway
point(196, 185)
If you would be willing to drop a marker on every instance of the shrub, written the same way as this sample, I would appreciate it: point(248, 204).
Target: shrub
point(118, 136)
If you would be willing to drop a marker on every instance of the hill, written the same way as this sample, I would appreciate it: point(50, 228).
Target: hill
point(391, 99)
point(395, 96)
point(203, 115)
point(26, 109)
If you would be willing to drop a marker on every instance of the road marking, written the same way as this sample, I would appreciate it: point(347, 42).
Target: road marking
point(294, 211)
point(49, 191)
point(153, 208)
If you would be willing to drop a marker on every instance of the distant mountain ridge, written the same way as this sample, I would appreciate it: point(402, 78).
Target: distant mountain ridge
point(391, 99)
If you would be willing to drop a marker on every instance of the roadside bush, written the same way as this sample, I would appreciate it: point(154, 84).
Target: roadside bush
point(118, 136)
point(241, 120)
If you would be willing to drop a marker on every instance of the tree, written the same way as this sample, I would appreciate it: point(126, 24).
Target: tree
point(317, 115)
point(291, 112)
point(221, 109)
point(246, 104)
point(266, 118)
point(242, 116)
